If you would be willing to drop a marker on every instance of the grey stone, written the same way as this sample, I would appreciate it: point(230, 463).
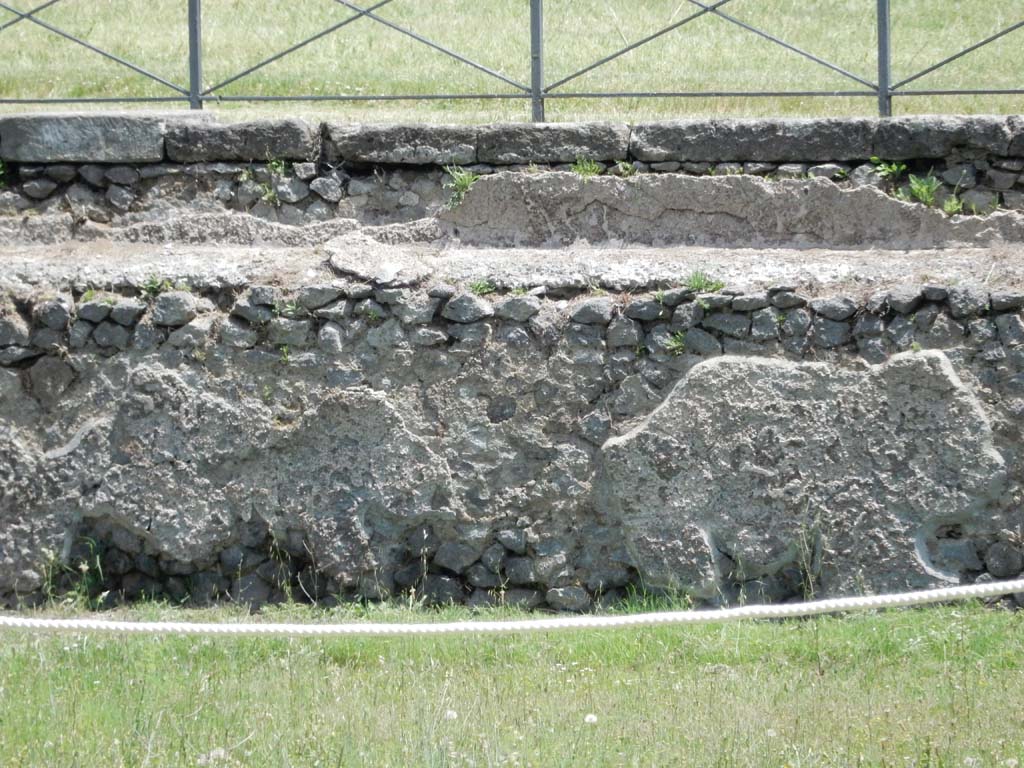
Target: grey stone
point(467, 308)
point(193, 334)
point(699, 342)
point(525, 599)
point(518, 308)
point(979, 201)
point(96, 175)
point(81, 138)
point(521, 571)
point(731, 324)
point(94, 311)
point(869, 325)
point(127, 311)
point(788, 300)
point(764, 324)
point(48, 379)
point(48, 339)
point(61, 172)
point(653, 480)
point(283, 331)
point(123, 175)
point(78, 336)
point(418, 144)
point(594, 311)
point(511, 143)
point(512, 539)
point(291, 190)
point(873, 350)
point(773, 140)
point(238, 334)
point(935, 293)
point(327, 188)
point(573, 599)
point(427, 337)
point(835, 308)
point(921, 137)
point(38, 189)
point(174, 308)
point(386, 336)
point(867, 176)
point(108, 334)
point(1000, 180)
point(901, 332)
point(750, 302)
point(256, 141)
point(961, 175)
point(317, 296)
point(828, 171)
point(442, 590)
point(688, 315)
point(254, 313)
point(1003, 300)
point(829, 333)
point(791, 171)
point(624, 332)
point(415, 308)
point(54, 314)
point(493, 558)
point(120, 198)
point(905, 298)
point(304, 171)
point(1011, 330)
point(967, 300)
point(647, 309)
point(457, 556)
point(1003, 560)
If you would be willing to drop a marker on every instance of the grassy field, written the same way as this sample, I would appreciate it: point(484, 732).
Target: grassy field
point(936, 687)
point(368, 58)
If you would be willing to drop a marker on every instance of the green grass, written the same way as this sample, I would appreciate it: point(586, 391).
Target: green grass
point(936, 687)
point(366, 57)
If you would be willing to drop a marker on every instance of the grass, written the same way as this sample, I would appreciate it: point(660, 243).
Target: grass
point(935, 687)
point(368, 58)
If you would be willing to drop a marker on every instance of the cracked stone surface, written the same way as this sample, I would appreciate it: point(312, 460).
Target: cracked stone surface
point(765, 461)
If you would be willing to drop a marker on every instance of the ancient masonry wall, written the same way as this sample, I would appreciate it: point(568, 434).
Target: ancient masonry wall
point(379, 431)
point(104, 168)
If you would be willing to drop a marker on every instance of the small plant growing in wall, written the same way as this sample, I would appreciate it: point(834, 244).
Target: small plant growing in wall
point(953, 205)
point(890, 171)
point(276, 166)
point(482, 287)
point(585, 168)
point(701, 282)
point(154, 286)
point(460, 181)
point(625, 169)
point(676, 344)
point(3, 175)
point(924, 188)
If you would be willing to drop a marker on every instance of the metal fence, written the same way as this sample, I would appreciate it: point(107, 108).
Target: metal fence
point(537, 90)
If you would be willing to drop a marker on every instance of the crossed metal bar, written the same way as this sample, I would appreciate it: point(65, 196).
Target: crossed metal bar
point(536, 91)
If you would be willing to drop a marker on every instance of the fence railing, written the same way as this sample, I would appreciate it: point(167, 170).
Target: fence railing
point(196, 94)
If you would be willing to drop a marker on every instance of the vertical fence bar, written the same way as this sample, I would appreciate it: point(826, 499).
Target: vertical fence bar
point(884, 61)
point(537, 59)
point(195, 54)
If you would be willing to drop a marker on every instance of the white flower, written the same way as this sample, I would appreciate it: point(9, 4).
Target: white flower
point(451, 714)
point(590, 719)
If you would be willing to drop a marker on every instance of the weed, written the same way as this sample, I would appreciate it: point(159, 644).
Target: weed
point(585, 168)
point(89, 295)
point(3, 175)
point(676, 343)
point(915, 346)
point(890, 171)
point(460, 182)
point(276, 166)
point(246, 175)
point(286, 354)
point(154, 286)
point(287, 309)
point(702, 282)
point(952, 205)
point(373, 316)
point(625, 169)
point(659, 296)
point(842, 174)
point(533, 169)
point(519, 291)
point(482, 287)
point(269, 195)
point(924, 188)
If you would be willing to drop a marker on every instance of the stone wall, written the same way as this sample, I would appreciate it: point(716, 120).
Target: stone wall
point(123, 168)
point(353, 439)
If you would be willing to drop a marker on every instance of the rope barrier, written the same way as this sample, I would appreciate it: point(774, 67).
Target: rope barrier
point(668, 618)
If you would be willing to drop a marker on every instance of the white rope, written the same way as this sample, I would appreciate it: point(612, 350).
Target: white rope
point(789, 610)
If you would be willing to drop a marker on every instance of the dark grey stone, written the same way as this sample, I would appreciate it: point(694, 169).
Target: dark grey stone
point(512, 539)
point(38, 189)
point(442, 590)
point(174, 308)
point(238, 334)
point(688, 315)
point(61, 172)
point(647, 309)
point(1003, 560)
point(905, 298)
point(518, 308)
point(830, 333)
point(869, 325)
point(873, 350)
point(79, 334)
point(284, 331)
point(316, 296)
point(93, 311)
point(418, 144)
point(764, 324)
point(108, 334)
point(773, 140)
point(467, 308)
point(456, 556)
point(327, 188)
point(257, 141)
point(512, 143)
point(123, 175)
point(594, 311)
point(573, 599)
point(731, 324)
point(291, 190)
point(1004, 300)
point(624, 332)
point(750, 302)
point(120, 198)
point(919, 137)
point(835, 307)
point(54, 314)
point(967, 300)
point(82, 138)
point(1011, 330)
point(700, 342)
point(788, 300)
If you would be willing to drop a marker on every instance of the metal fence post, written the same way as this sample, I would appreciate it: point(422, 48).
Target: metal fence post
point(195, 54)
point(884, 61)
point(537, 59)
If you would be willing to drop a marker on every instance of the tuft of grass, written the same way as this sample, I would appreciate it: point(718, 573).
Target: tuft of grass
point(482, 287)
point(923, 188)
point(3, 175)
point(676, 344)
point(154, 286)
point(891, 171)
point(625, 170)
point(702, 282)
point(586, 168)
point(935, 686)
point(461, 180)
point(953, 205)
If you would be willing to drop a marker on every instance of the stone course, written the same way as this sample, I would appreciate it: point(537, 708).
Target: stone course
point(340, 440)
